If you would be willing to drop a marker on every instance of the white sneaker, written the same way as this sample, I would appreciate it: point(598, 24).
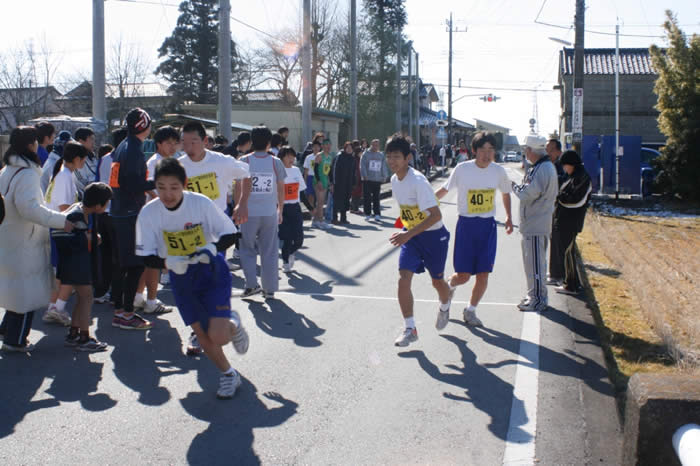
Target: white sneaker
point(378, 218)
point(406, 337)
point(165, 278)
point(157, 308)
point(228, 384)
point(139, 302)
point(524, 304)
point(292, 259)
point(59, 317)
point(239, 335)
point(443, 319)
point(368, 218)
point(287, 268)
point(232, 266)
point(471, 319)
point(193, 346)
point(106, 298)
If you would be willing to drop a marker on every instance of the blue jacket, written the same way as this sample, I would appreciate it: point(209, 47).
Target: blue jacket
point(128, 178)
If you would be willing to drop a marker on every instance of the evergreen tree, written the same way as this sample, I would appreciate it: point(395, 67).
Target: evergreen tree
point(678, 88)
point(192, 50)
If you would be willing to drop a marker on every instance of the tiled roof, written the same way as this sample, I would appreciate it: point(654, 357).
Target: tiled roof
point(602, 61)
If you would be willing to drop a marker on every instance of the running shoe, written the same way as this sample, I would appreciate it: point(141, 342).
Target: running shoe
point(139, 302)
point(71, 341)
point(268, 294)
point(406, 337)
point(292, 259)
point(239, 335)
point(565, 290)
point(157, 308)
point(471, 319)
point(443, 318)
point(554, 281)
point(104, 299)
point(54, 315)
point(286, 268)
point(251, 291)
point(368, 218)
point(228, 383)
point(232, 267)
point(378, 218)
point(165, 278)
point(325, 226)
point(193, 346)
point(531, 307)
point(18, 348)
point(524, 304)
point(135, 322)
point(91, 345)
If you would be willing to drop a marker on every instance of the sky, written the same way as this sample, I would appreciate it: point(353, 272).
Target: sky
point(499, 48)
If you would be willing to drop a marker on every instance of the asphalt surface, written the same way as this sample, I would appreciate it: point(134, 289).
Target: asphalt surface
point(322, 381)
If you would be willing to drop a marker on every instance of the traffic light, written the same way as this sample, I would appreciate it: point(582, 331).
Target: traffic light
point(490, 98)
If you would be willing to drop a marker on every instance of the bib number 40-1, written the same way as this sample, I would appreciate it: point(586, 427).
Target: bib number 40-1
point(480, 201)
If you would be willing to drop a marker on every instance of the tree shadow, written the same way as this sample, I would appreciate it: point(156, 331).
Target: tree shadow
point(482, 388)
point(229, 438)
point(281, 321)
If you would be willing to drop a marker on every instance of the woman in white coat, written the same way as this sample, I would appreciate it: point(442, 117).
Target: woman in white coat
point(26, 276)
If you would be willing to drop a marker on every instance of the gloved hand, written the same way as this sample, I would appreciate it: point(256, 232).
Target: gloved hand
point(177, 264)
point(204, 254)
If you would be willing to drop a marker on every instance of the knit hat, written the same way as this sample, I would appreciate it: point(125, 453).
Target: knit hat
point(61, 139)
point(570, 157)
point(137, 120)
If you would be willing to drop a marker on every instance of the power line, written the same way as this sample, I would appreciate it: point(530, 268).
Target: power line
point(517, 89)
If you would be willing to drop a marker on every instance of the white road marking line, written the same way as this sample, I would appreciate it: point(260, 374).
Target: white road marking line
point(383, 298)
point(522, 428)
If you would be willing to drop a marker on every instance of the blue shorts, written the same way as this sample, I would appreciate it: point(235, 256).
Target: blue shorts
point(428, 250)
point(204, 291)
point(310, 186)
point(475, 245)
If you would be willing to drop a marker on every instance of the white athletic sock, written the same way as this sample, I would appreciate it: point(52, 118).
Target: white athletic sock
point(444, 307)
point(471, 308)
point(60, 305)
point(236, 320)
point(230, 371)
point(140, 297)
point(410, 323)
point(151, 302)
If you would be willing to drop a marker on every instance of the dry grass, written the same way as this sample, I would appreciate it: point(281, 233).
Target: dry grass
point(643, 274)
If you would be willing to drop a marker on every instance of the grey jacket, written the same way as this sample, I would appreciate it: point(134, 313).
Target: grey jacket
point(538, 195)
point(366, 163)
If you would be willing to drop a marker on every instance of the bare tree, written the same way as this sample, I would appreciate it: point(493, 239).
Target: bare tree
point(126, 72)
point(280, 63)
point(251, 72)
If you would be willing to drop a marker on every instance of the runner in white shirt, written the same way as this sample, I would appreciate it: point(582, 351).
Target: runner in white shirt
point(291, 230)
point(309, 172)
point(61, 193)
point(476, 182)
point(424, 239)
point(187, 233)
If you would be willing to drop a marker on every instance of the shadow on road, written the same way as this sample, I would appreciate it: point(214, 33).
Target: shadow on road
point(485, 390)
point(229, 437)
point(281, 321)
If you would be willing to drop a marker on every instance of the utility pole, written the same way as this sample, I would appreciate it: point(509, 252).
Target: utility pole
point(306, 74)
point(449, 88)
point(353, 66)
point(579, 24)
point(617, 110)
point(398, 79)
point(409, 99)
point(225, 69)
point(99, 107)
point(417, 141)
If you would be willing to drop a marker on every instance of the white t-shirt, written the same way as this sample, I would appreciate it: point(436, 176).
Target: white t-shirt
point(213, 175)
point(414, 196)
point(476, 188)
point(61, 190)
point(293, 185)
point(151, 165)
point(197, 222)
point(308, 162)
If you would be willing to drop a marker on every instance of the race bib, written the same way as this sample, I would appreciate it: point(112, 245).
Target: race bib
point(114, 175)
point(49, 191)
point(411, 216)
point(185, 242)
point(204, 184)
point(262, 183)
point(291, 192)
point(375, 165)
point(480, 201)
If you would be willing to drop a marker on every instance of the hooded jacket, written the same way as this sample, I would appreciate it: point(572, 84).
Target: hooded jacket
point(537, 195)
point(572, 200)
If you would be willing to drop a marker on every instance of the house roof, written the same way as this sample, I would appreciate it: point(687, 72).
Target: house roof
point(602, 61)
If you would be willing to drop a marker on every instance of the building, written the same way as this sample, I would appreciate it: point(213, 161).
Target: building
point(638, 117)
point(18, 106)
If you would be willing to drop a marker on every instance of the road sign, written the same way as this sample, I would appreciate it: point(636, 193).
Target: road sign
point(441, 123)
point(577, 119)
point(441, 115)
point(442, 134)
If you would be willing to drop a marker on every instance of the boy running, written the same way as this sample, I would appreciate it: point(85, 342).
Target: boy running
point(424, 240)
point(185, 232)
point(75, 263)
point(476, 182)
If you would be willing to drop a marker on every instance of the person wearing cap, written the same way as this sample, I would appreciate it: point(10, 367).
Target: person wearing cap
point(476, 237)
point(569, 214)
point(129, 183)
point(556, 249)
point(537, 195)
point(56, 153)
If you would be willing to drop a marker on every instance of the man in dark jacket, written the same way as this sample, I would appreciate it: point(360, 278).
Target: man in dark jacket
point(569, 215)
point(556, 248)
point(343, 180)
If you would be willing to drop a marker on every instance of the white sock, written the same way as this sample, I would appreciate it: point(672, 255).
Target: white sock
point(60, 305)
point(230, 371)
point(236, 320)
point(151, 302)
point(410, 323)
point(138, 297)
point(472, 308)
point(444, 307)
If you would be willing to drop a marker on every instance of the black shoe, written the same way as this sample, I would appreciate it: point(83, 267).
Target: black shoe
point(251, 291)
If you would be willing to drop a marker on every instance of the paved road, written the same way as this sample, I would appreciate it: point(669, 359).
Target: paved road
point(323, 383)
